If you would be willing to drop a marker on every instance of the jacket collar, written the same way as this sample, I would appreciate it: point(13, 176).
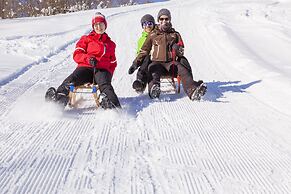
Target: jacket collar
point(101, 37)
point(158, 31)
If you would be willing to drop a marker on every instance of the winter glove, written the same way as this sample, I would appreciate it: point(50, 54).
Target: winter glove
point(178, 49)
point(132, 68)
point(93, 61)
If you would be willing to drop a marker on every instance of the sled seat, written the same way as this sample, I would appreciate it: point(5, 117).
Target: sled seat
point(87, 88)
point(170, 84)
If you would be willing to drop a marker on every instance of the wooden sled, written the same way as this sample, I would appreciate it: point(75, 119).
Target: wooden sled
point(83, 89)
point(170, 84)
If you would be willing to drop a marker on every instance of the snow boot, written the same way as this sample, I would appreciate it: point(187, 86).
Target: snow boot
point(139, 86)
point(51, 94)
point(105, 102)
point(155, 91)
point(62, 99)
point(199, 91)
point(199, 82)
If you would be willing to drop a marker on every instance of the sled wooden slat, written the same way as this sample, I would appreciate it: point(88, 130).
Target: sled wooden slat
point(79, 89)
point(174, 82)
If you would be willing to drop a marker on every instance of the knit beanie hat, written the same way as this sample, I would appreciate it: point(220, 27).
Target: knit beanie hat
point(164, 12)
point(147, 18)
point(99, 17)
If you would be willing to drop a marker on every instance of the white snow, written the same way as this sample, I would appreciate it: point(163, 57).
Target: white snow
point(236, 140)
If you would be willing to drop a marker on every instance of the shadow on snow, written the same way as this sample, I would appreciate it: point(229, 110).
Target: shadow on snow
point(133, 105)
point(215, 91)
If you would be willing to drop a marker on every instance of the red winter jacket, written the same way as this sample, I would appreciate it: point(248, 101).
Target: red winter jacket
point(99, 46)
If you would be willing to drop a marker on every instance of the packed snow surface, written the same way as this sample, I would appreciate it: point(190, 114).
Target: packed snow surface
point(236, 140)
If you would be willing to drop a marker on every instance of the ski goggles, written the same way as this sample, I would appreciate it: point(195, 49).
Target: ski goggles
point(147, 24)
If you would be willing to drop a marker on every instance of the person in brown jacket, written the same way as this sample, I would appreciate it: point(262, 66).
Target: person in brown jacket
point(165, 45)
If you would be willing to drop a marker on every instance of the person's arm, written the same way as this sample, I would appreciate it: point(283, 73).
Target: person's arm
point(141, 41)
point(80, 54)
point(113, 60)
point(180, 41)
point(141, 54)
point(178, 47)
point(144, 51)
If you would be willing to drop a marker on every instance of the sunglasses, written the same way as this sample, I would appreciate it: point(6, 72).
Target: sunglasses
point(147, 24)
point(162, 19)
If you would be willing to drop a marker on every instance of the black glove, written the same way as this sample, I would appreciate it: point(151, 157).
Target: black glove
point(178, 49)
point(132, 68)
point(93, 61)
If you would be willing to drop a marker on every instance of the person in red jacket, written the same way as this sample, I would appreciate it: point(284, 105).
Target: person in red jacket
point(95, 50)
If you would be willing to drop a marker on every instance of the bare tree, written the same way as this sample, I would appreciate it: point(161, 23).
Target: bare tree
point(28, 8)
point(2, 9)
point(9, 9)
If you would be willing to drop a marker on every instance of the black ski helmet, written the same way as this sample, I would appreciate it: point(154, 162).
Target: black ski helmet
point(147, 18)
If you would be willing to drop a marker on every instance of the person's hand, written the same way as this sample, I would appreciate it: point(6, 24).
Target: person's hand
point(132, 68)
point(179, 50)
point(93, 61)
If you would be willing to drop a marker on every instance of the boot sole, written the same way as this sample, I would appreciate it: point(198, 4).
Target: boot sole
point(51, 94)
point(199, 92)
point(155, 93)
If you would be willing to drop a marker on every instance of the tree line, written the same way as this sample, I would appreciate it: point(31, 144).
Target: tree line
point(30, 8)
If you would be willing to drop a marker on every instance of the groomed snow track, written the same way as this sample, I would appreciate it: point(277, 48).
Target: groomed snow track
point(233, 141)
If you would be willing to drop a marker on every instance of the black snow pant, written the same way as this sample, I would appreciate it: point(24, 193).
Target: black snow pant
point(82, 75)
point(143, 74)
point(158, 69)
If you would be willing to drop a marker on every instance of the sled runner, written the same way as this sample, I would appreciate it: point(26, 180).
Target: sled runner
point(170, 84)
point(83, 89)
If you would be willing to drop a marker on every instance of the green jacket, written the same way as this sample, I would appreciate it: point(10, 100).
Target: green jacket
point(141, 40)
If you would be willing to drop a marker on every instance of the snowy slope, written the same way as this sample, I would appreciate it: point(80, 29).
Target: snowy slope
point(237, 140)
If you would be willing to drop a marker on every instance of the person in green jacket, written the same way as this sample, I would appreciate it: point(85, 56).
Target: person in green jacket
point(148, 24)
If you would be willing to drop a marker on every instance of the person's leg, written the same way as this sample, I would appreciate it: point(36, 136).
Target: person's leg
point(80, 76)
point(189, 85)
point(142, 76)
point(110, 99)
point(139, 85)
point(183, 61)
point(201, 87)
point(144, 69)
point(155, 71)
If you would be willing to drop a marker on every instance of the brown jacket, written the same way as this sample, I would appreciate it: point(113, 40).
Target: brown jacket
point(159, 45)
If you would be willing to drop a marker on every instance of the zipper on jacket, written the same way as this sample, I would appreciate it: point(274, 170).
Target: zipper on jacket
point(167, 50)
point(158, 50)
